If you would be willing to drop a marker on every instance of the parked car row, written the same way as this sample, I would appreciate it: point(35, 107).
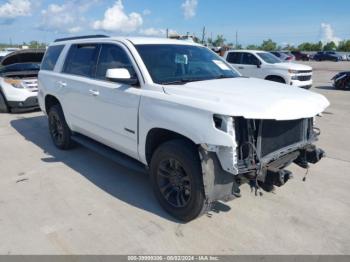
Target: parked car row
point(329, 56)
point(319, 56)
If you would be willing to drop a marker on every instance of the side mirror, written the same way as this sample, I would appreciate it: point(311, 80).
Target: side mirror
point(258, 64)
point(121, 75)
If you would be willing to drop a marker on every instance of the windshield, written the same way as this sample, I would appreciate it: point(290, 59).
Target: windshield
point(173, 64)
point(20, 67)
point(269, 58)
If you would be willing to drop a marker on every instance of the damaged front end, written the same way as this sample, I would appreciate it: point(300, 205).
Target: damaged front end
point(261, 152)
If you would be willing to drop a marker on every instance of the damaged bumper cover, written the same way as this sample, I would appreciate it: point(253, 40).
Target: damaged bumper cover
point(226, 168)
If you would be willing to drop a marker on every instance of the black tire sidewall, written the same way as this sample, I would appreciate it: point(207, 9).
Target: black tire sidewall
point(56, 111)
point(188, 156)
point(4, 108)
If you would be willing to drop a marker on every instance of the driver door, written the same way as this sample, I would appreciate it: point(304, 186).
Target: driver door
point(249, 65)
point(114, 108)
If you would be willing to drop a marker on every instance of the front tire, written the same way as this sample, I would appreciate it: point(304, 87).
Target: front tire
point(59, 130)
point(176, 177)
point(4, 108)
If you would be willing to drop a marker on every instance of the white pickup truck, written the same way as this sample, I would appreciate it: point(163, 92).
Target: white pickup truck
point(264, 65)
point(179, 111)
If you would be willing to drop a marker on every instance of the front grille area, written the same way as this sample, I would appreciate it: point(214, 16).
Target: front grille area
point(304, 78)
point(276, 135)
point(304, 71)
point(257, 138)
point(31, 84)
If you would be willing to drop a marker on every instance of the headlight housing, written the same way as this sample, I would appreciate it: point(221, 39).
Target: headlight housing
point(14, 82)
point(224, 123)
point(291, 71)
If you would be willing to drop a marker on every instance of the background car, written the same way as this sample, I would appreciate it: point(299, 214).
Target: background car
point(342, 80)
point(264, 65)
point(18, 80)
point(3, 54)
point(301, 56)
point(282, 56)
point(327, 56)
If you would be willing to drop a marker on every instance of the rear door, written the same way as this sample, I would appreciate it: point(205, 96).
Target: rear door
point(75, 84)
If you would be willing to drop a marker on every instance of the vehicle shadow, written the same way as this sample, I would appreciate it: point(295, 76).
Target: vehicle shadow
point(325, 87)
point(124, 184)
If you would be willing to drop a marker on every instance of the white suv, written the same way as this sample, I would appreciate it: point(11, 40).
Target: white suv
point(177, 109)
point(264, 65)
point(18, 80)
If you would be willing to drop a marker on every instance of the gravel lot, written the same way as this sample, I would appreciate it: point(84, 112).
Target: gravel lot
point(77, 202)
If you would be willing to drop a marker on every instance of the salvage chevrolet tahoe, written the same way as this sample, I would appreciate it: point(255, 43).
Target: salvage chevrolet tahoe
point(179, 111)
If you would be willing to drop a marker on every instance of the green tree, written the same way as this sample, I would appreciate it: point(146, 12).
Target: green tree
point(330, 46)
point(36, 44)
point(268, 45)
point(219, 41)
point(305, 46)
point(252, 47)
point(289, 47)
point(317, 47)
point(344, 46)
point(210, 41)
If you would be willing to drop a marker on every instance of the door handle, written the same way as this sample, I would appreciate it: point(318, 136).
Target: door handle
point(62, 84)
point(94, 92)
point(240, 67)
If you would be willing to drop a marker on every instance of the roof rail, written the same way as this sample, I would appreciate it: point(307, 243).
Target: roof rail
point(80, 37)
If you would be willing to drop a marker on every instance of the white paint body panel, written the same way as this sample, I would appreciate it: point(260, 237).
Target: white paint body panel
point(185, 109)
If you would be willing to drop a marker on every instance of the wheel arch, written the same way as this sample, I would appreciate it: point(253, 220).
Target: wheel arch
point(157, 136)
point(274, 76)
point(50, 100)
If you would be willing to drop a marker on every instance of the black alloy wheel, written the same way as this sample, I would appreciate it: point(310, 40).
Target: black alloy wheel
point(174, 183)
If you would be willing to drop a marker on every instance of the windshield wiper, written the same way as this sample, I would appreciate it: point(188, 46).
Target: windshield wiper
point(223, 76)
point(187, 80)
point(180, 81)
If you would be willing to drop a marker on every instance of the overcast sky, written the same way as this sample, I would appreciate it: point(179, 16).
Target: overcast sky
point(292, 21)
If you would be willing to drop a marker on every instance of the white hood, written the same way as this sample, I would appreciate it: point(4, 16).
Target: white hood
point(292, 66)
point(250, 98)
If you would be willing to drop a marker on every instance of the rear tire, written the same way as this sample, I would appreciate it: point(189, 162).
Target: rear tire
point(59, 130)
point(176, 177)
point(4, 108)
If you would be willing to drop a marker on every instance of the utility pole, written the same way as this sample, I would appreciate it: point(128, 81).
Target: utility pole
point(203, 35)
point(236, 39)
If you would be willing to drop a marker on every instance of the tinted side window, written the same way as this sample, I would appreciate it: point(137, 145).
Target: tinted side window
point(51, 57)
point(234, 58)
point(81, 60)
point(112, 56)
point(249, 59)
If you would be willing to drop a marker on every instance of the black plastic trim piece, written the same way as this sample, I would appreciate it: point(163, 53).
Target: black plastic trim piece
point(110, 153)
point(80, 37)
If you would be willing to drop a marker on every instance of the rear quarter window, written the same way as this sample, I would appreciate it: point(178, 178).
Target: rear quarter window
point(51, 57)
